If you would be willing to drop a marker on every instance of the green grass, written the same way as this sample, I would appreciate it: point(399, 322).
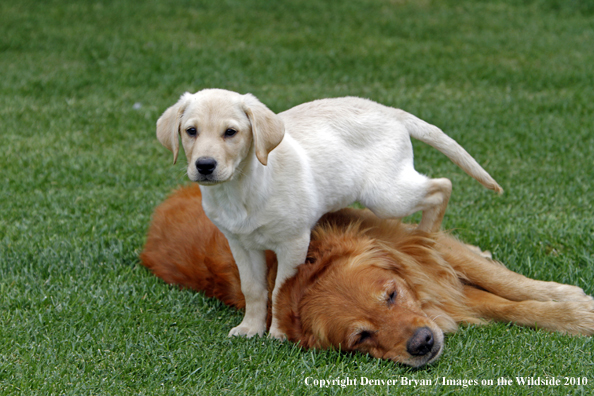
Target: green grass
point(81, 171)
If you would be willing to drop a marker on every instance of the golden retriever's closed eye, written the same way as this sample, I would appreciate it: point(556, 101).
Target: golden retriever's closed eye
point(368, 285)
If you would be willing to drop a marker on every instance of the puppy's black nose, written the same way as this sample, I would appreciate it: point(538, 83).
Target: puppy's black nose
point(421, 342)
point(206, 165)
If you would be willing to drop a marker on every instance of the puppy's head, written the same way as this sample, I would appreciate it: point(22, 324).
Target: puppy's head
point(220, 131)
point(352, 297)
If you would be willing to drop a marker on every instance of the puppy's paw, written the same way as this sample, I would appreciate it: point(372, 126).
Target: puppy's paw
point(246, 331)
point(483, 253)
point(275, 332)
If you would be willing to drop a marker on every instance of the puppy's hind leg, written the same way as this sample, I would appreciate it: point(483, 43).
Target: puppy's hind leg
point(434, 204)
point(406, 193)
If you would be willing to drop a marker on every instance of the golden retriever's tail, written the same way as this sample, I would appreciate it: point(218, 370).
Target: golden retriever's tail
point(435, 137)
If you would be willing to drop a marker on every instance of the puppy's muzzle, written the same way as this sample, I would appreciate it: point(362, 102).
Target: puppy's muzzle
point(206, 165)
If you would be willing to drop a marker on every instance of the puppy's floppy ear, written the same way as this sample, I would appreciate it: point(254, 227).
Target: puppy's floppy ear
point(168, 125)
point(268, 128)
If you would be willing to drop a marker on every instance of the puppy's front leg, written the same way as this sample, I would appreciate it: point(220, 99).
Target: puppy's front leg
point(289, 255)
point(252, 274)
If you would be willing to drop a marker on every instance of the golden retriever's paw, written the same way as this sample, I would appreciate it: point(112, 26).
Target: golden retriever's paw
point(579, 318)
point(246, 331)
point(561, 292)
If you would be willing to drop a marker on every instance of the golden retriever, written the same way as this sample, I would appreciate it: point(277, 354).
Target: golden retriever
point(369, 285)
point(267, 178)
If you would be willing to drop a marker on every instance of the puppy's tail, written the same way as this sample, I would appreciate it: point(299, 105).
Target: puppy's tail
point(435, 137)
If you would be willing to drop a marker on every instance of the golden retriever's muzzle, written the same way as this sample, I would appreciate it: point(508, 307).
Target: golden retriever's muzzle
point(421, 343)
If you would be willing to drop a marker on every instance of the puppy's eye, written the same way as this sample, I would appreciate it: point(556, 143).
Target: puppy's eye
point(392, 297)
point(191, 131)
point(230, 132)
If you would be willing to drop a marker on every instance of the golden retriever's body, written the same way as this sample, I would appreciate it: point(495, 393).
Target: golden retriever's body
point(368, 285)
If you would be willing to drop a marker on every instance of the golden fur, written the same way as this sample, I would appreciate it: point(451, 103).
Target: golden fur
point(369, 285)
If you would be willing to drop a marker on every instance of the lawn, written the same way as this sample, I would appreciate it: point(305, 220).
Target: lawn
point(82, 84)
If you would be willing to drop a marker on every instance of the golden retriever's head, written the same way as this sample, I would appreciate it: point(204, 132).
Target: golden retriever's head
point(352, 296)
point(220, 131)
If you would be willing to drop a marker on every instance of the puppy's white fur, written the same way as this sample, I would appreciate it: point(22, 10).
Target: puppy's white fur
point(276, 175)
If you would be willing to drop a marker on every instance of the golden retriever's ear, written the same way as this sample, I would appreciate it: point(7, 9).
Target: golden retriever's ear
point(168, 125)
point(268, 129)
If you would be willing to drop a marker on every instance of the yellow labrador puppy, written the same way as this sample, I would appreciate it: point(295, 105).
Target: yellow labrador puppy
point(267, 178)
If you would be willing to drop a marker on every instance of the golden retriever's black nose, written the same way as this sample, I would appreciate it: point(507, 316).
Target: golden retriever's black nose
point(206, 165)
point(421, 342)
